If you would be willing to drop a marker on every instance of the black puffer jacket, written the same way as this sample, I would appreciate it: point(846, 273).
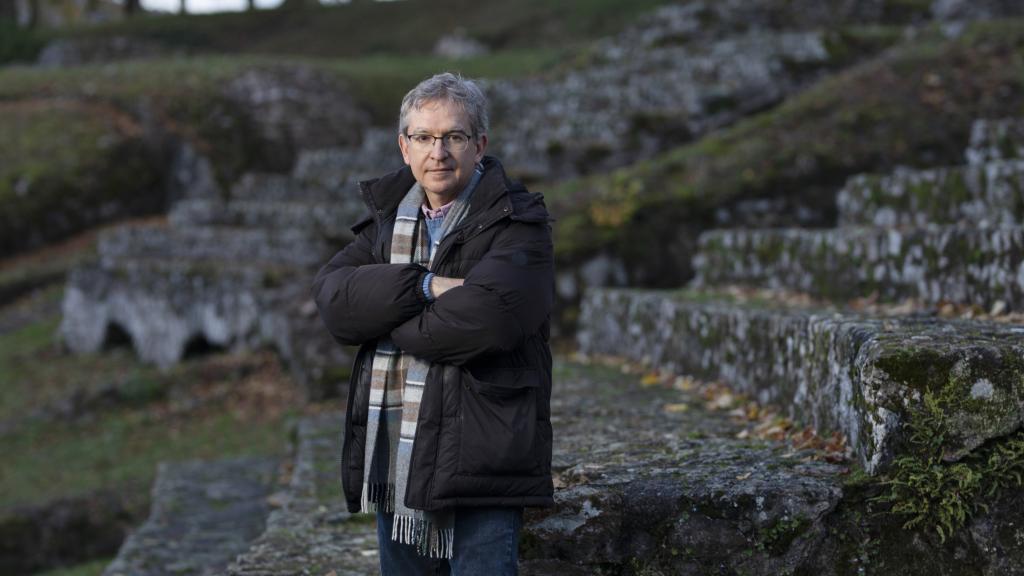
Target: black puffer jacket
point(484, 430)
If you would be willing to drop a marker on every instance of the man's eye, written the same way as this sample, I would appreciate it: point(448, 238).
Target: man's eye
point(422, 138)
point(457, 138)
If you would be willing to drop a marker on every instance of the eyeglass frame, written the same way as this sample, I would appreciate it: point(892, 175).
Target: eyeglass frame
point(445, 143)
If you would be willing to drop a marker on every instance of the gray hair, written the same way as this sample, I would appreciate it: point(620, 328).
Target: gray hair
point(452, 88)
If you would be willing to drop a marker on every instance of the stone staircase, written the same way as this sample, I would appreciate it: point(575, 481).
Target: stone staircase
point(942, 236)
point(231, 272)
point(811, 321)
point(949, 234)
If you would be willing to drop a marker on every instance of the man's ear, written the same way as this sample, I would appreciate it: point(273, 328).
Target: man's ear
point(481, 146)
point(403, 145)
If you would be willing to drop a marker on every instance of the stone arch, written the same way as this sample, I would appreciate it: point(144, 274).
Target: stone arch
point(198, 346)
point(115, 336)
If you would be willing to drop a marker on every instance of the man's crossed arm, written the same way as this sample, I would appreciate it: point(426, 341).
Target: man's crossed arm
point(506, 296)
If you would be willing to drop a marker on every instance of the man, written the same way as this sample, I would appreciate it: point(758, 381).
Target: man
point(447, 289)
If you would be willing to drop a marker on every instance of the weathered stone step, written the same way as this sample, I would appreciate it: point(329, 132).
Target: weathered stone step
point(327, 220)
point(273, 187)
point(652, 482)
point(164, 308)
point(242, 245)
point(203, 514)
point(343, 168)
point(311, 531)
point(960, 264)
point(864, 377)
point(998, 139)
point(982, 194)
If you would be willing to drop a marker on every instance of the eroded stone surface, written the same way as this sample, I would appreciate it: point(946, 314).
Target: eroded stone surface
point(203, 514)
point(322, 219)
point(252, 246)
point(862, 376)
point(961, 263)
point(669, 489)
point(984, 194)
point(992, 140)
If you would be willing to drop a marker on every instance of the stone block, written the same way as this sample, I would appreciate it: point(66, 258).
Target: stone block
point(996, 139)
point(240, 246)
point(983, 194)
point(203, 514)
point(325, 220)
point(961, 264)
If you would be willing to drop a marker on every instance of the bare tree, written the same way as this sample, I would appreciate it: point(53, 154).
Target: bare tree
point(131, 7)
point(252, 5)
point(183, 7)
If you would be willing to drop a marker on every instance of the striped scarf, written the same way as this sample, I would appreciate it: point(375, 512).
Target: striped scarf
point(396, 388)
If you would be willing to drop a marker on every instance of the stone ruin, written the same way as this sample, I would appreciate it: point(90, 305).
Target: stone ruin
point(640, 489)
point(664, 81)
point(230, 272)
point(649, 481)
point(942, 237)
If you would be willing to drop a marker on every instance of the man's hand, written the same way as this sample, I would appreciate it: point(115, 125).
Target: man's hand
point(440, 284)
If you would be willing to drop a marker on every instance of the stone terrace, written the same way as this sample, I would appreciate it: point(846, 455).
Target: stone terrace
point(949, 234)
point(845, 371)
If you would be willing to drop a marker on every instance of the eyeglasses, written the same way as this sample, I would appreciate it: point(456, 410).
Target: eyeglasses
point(455, 141)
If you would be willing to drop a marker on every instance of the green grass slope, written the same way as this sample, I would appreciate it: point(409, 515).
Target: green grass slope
point(410, 27)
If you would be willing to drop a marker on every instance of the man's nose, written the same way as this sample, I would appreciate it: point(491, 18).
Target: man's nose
point(438, 150)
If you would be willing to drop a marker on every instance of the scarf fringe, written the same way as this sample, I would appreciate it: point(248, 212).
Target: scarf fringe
point(428, 539)
point(378, 497)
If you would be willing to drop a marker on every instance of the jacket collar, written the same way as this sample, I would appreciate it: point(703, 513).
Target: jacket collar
point(490, 199)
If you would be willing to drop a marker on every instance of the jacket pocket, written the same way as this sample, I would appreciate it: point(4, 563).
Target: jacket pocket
point(498, 421)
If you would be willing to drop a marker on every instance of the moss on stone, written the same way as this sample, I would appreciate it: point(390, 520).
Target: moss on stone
point(934, 494)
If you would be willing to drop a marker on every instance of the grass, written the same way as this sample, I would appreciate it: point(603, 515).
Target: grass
point(122, 448)
point(378, 80)
point(62, 162)
point(40, 268)
point(93, 568)
point(208, 407)
point(39, 374)
point(402, 28)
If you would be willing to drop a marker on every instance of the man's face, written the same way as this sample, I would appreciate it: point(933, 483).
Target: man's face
point(442, 172)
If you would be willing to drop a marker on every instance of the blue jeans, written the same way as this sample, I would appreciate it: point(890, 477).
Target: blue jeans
point(486, 542)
